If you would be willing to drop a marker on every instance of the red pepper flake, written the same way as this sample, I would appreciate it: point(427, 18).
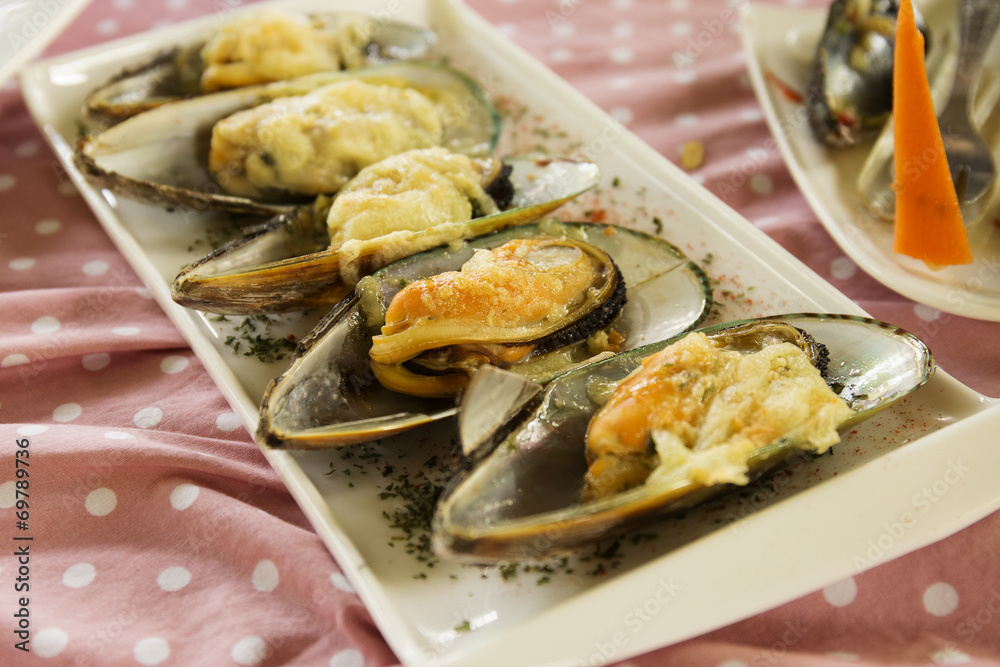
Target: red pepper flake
point(789, 93)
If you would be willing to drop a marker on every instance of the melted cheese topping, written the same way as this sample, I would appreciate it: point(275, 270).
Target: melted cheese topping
point(271, 45)
point(411, 191)
point(315, 143)
point(706, 411)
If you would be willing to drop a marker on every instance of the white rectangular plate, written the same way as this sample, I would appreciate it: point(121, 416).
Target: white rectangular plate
point(718, 564)
point(779, 41)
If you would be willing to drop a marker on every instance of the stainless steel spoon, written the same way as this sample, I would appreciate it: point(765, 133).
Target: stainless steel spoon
point(969, 157)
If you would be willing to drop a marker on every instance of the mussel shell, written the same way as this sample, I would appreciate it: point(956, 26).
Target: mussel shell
point(286, 264)
point(849, 92)
point(161, 156)
point(521, 496)
point(329, 396)
point(159, 80)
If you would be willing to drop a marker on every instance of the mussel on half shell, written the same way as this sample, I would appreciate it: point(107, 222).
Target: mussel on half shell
point(293, 263)
point(330, 396)
point(523, 493)
point(849, 92)
point(228, 57)
point(164, 156)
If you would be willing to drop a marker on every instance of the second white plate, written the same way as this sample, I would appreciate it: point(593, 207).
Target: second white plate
point(778, 42)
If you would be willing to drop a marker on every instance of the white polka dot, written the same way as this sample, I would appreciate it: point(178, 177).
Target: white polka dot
point(761, 184)
point(26, 149)
point(926, 313)
point(561, 55)
point(151, 651)
point(32, 429)
point(686, 120)
point(173, 579)
point(508, 29)
point(147, 417)
point(21, 263)
point(622, 55)
point(177, 4)
point(49, 642)
point(101, 502)
point(950, 656)
point(940, 599)
point(681, 28)
point(680, 5)
point(126, 331)
point(144, 292)
point(249, 651)
point(95, 362)
point(107, 26)
point(623, 30)
point(621, 4)
point(228, 422)
point(265, 576)
point(67, 188)
point(67, 412)
point(843, 268)
point(751, 115)
point(47, 227)
point(95, 268)
point(340, 582)
point(162, 23)
point(123, 4)
point(118, 435)
point(7, 182)
point(621, 82)
point(766, 220)
point(347, 658)
point(733, 663)
point(841, 593)
point(563, 29)
point(183, 496)
point(173, 364)
point(45, 325)
point(623, 115)
point(79, 575)
point(16, 359)
point(8, 494)
point(685, 77)
point(698, 178)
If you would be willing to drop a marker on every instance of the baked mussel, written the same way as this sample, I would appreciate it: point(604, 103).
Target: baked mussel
point(266, 149)
point(619, 442)
point(231, 55)
point(405, 204)
point(331, 396)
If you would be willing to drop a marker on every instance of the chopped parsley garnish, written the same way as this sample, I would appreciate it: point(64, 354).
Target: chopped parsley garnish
point(248, 342)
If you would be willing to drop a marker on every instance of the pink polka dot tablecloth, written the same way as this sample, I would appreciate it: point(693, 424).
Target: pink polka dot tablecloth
point(160, 534)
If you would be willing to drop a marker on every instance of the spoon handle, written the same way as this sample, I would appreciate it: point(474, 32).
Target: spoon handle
point(978, 21)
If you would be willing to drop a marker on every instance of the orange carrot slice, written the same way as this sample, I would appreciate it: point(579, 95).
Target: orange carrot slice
point(928, 218)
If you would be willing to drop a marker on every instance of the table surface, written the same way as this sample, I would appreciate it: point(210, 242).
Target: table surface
point(162, 536)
